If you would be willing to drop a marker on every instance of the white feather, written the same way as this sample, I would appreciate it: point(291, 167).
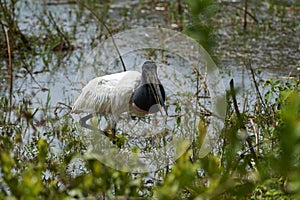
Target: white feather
point(108, 95)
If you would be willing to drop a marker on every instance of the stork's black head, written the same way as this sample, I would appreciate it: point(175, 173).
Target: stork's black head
point(149, 73)
point(150, 95)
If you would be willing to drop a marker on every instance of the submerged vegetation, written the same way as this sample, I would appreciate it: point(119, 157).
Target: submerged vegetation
point(43, 157)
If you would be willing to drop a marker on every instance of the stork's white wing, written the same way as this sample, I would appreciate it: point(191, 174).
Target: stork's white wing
point(108, 94)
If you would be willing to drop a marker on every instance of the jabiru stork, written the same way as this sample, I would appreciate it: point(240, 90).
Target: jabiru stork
point(133, 92)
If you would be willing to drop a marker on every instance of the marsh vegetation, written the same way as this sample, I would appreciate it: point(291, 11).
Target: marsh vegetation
point(255, 45)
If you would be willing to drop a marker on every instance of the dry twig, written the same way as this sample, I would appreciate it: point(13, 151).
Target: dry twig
point(240, 119)
point(10, 73)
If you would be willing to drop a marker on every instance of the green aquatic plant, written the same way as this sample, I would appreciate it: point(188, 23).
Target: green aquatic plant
point(201, 26)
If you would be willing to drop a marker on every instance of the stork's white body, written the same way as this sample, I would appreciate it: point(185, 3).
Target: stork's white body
point(108, 95)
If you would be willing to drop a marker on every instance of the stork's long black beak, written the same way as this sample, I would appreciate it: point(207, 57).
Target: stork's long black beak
point(157, 91)
point(160, 98)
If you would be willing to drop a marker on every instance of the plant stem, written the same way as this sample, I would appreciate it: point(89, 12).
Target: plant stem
point(10, 74)
point(109, 32)
point(245, 15)
point(241, 124)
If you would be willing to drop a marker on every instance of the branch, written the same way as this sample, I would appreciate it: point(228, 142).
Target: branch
point(10, 73)
point(109, 32)
point(246, 11)
point(241, 124)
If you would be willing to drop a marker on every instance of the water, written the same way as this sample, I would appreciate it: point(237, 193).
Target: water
point(272, 53)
